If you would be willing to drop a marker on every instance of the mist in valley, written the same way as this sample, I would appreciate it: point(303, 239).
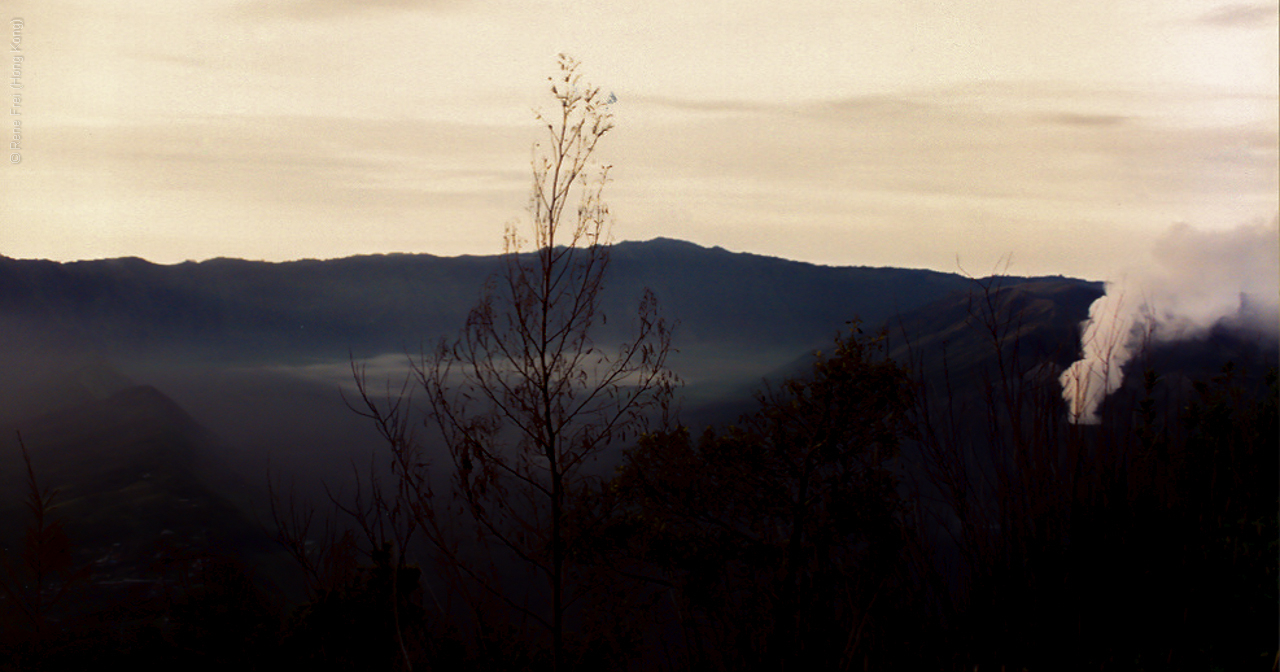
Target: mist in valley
point(878, 336)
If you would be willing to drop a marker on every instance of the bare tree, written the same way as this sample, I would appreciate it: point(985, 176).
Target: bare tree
point(525, 398)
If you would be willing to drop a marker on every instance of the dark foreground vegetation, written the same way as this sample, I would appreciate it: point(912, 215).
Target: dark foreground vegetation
point(868, 515)
point(915, 498)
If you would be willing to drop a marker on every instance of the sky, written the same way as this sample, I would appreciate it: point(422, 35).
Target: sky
point(975, 135)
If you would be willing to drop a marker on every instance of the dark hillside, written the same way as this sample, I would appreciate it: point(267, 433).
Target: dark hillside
point(257, 311)
point(1039, 317)
point(731, 299)
point(133, 472)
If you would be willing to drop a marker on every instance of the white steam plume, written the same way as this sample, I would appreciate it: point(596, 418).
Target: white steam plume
point(1197, 279)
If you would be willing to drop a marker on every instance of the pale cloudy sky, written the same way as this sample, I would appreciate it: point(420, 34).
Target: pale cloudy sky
point(882, 132)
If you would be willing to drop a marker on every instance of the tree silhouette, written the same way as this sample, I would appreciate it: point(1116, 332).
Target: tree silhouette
point(780, 532)
point(525, 398)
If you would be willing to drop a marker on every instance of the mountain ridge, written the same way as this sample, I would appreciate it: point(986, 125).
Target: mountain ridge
point(378, 303)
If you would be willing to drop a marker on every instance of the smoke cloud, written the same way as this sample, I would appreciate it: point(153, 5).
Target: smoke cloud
point(1195, 281)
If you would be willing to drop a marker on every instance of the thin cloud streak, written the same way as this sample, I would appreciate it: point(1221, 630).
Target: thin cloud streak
point(858, 177)
point(861, 133)
point(323, 10)
point(853, 180)
point(263, 187)
point(1242, 16)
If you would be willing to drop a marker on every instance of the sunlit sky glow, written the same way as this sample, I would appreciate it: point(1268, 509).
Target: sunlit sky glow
point(889, 133)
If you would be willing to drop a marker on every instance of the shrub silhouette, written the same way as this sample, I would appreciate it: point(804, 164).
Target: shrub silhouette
point(783, 532)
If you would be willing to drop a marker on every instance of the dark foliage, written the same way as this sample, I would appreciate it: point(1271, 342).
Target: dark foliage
point(353, 625)
point(926, 506)
point(929, 512)
point(1124, 545)
point(781, 534)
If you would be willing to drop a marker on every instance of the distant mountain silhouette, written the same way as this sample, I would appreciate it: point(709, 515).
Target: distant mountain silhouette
point(256, 351)
point(242, 310)
point(723, 297)
point(1037, 319)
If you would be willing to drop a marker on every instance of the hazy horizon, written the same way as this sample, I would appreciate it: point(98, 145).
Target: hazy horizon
point(958, 269)
point(933, 135)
